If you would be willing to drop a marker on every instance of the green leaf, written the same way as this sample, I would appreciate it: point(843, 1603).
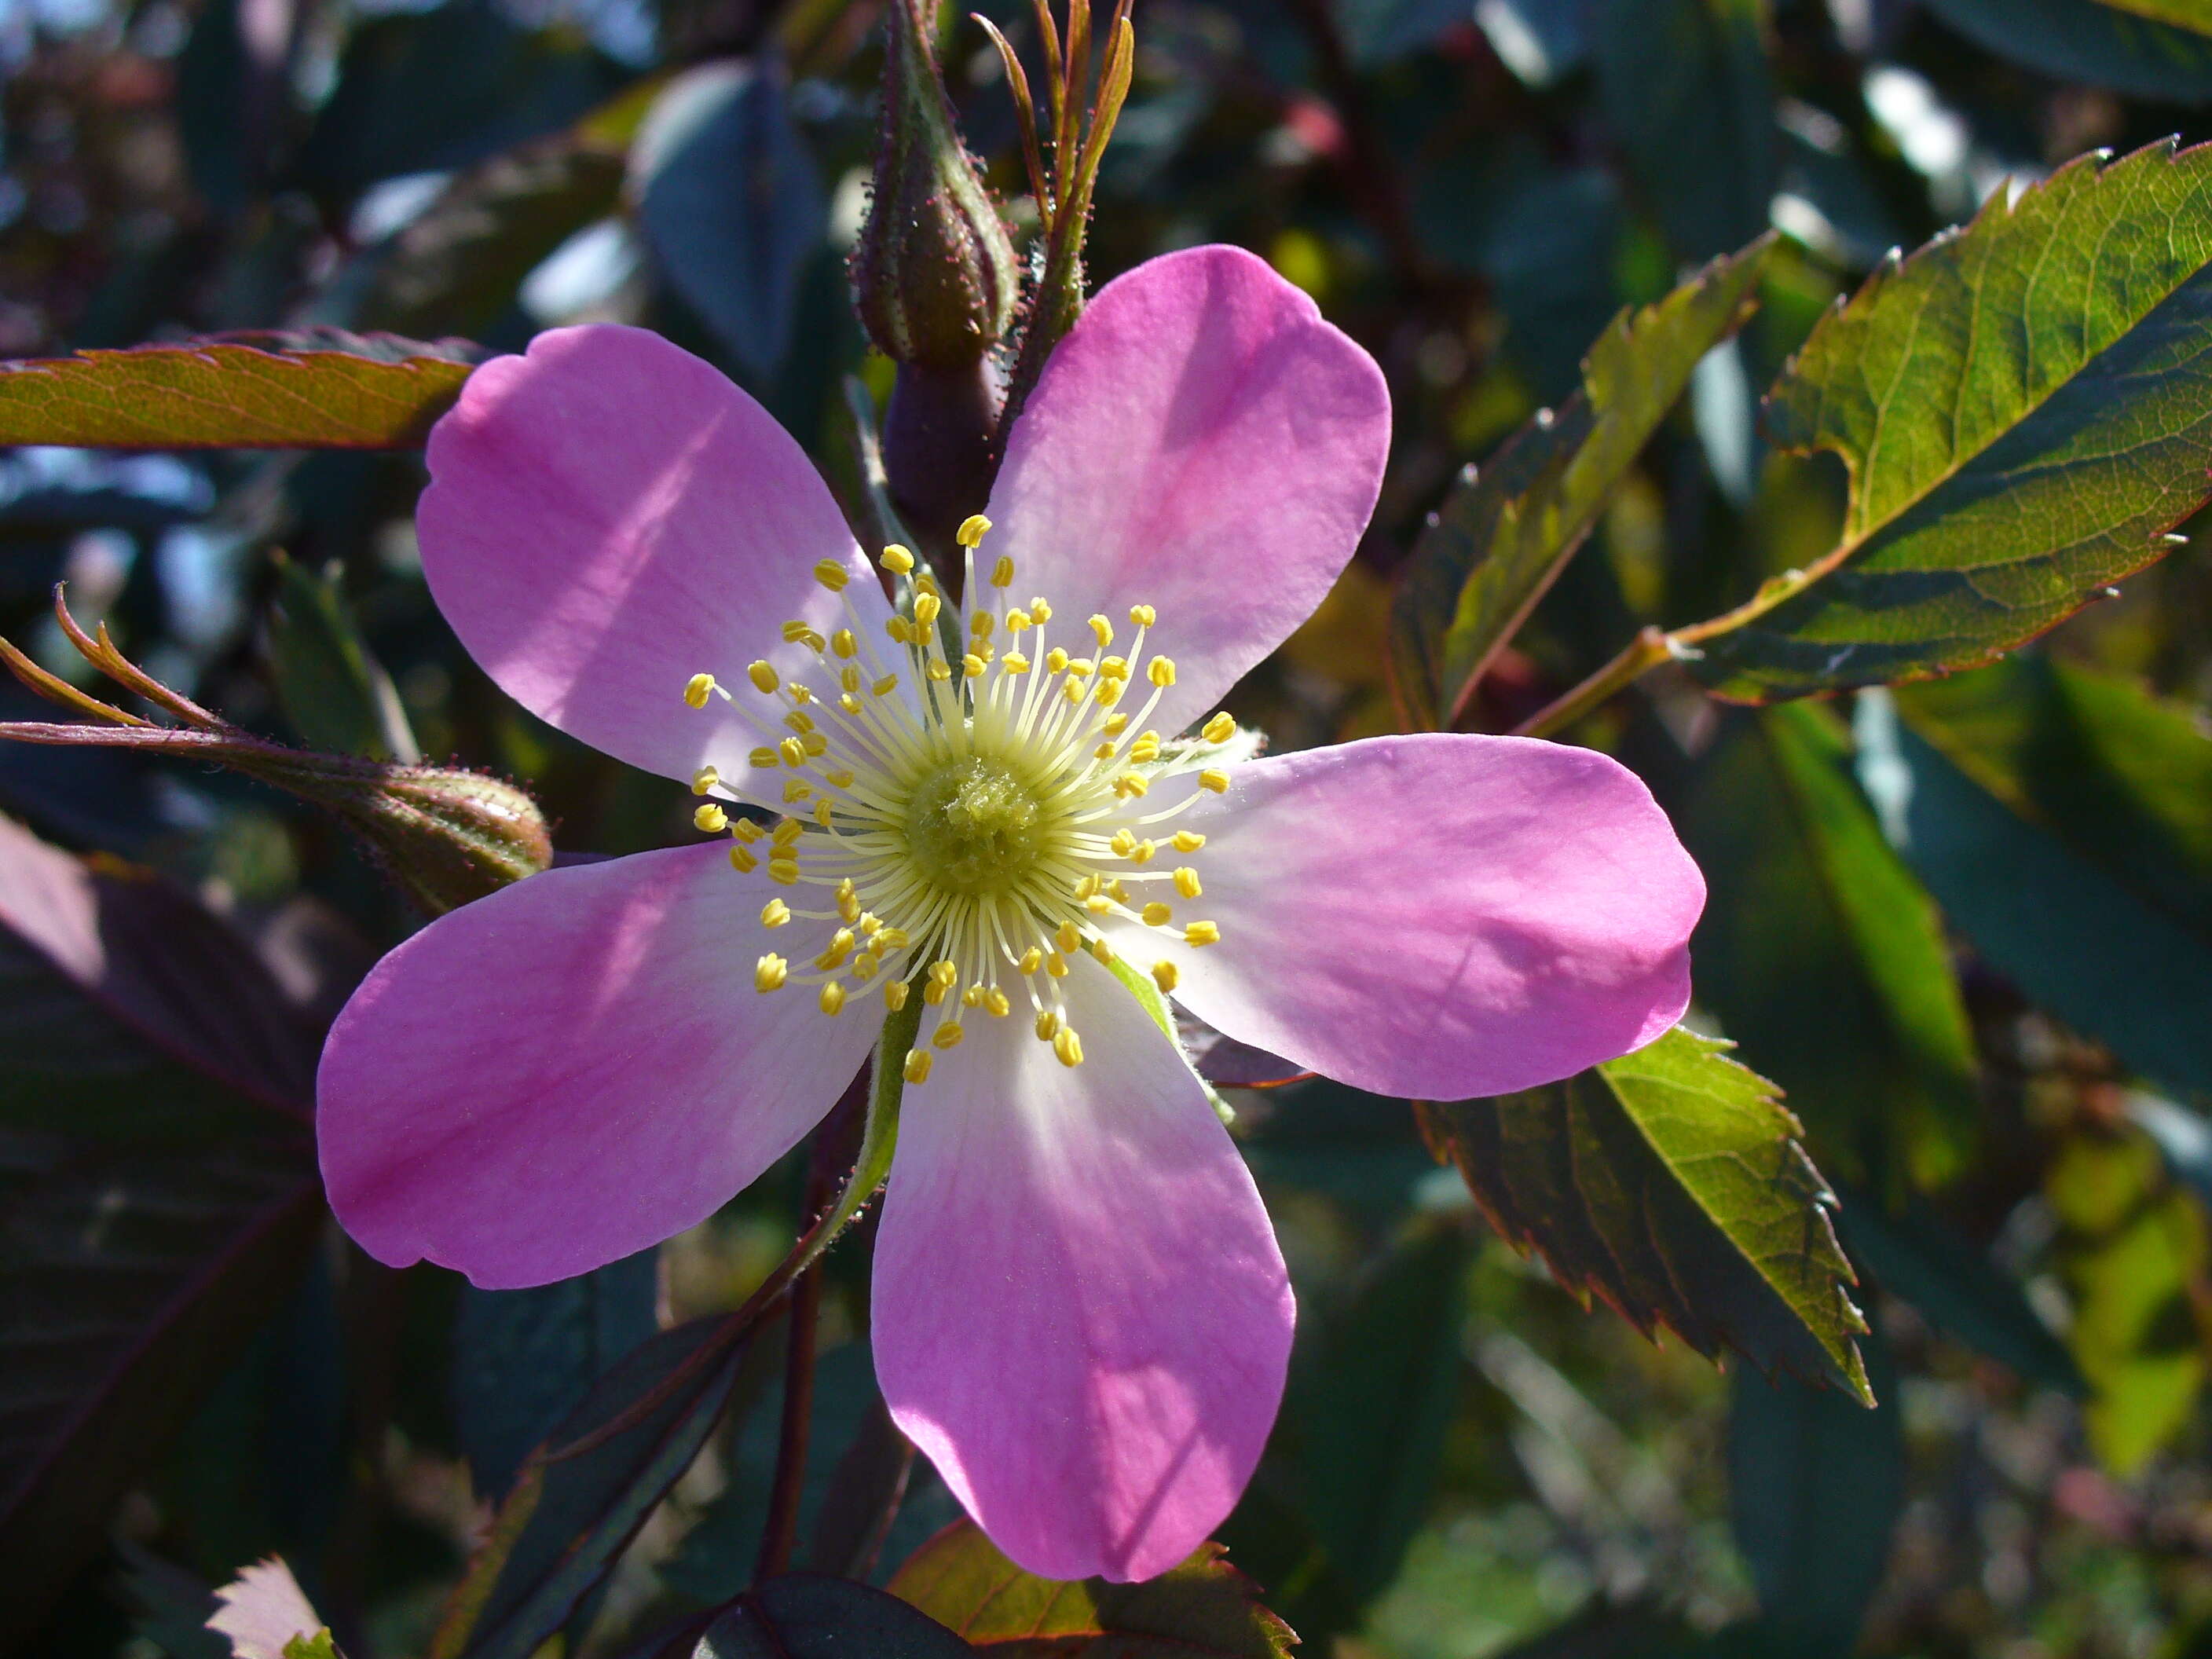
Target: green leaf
point(2000, 476)
point(1821, 951)
point(2133, 1249)
point(1815, 1486)
point(2147, 48)
point(1669, 1182)
point(1506, 530)
point(1373, 1398)
point(803, 1615)
point(582, 1494)
point(1921, 1259)
point(1203, 1609)
point(320, 1646)
point(321, 390)
point(2082, 795)
point(336, 695)
point(1686, 85)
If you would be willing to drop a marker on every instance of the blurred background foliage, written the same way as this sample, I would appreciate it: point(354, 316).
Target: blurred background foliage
point(1966, 925)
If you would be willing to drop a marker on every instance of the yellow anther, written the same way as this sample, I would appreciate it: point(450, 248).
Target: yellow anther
point(1186, 841)
point(900, 630)
point(972, 997)
point(840, 947)
point(1166, 976)
point(842, 644)
point(870, 923)
point(1103, 631)
point(893, 938)
point(786, 833)
point(832, 574)
point(1119, 890)
point(864, 965)
point(1015, 663)
point(1002, 574)
point(799, 694)
point(1081, 667)
point(742, 861)
point(1018, 620)
point(1220, 729)
point(1157, 914)
point(1055, 966)
point(848, 702)
point(710, 819)
point(1071, 689)
point(1133, 785)
point(783, 872)
point(1147, 748)
point(1098, 904)
point(917, 1068)
point(1144, 853)
point(1089, 885)
point(763, 757)
point(1109, 692)
point(1112, 668)
point(895, 995)
point(797, 632)
point(1123, 843)
point(1032, 959)
point(884, 687)
point(698, 689)
point(1103, 951)
point(840, 778)
point(796, 790)
point(746, 830)
point(799, 721)
point(704, 780)
point(849, 679)
point(1069, 939)
point(832, 998)
point(972, 667)
point(1143, 615)
point(980, 625)
point(1215, 779)
point(1115, 724)
point(926, 583)
point(792, 751)
point(1040, 610)
point(1161, 671)
point(940, 672)
point(769, 972)
point(849, 904)
point(814, 744)
point(1106, 750)
point(1068, 1047)
point(897, 560)
point(1186, 882)
point(1048, 1024)
point(947, 1035)
point(973, 529)
point(1202, 932)
point(1054, 660)
point(823, 813)
point(926, 607)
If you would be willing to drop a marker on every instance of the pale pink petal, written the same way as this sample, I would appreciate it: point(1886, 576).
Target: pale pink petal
point(262, 1610)
point(573, 1069)
point(609, 516)
point(1081, 1315)
point(1436, 916)
point(1204, 443)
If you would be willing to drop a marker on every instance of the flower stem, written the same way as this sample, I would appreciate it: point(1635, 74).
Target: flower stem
point(1644, 653)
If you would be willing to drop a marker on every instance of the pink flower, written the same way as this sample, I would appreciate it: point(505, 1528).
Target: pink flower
point(1080, 1312)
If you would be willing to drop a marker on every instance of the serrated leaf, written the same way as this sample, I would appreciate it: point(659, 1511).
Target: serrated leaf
point(1815, 1487)
point(334, 692)
point(1686, 85)
point(2148, 48)
point(803, 1615)
point(2057, 815)
point(1503, 533)
point(320, 391)
point(1819, 949)
point(1670, 1184)
point(2001, 475)
point(1203, 1609)
point(584, 1492)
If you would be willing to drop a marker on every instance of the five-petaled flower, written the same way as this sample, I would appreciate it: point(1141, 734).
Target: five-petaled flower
point(1080, 1312)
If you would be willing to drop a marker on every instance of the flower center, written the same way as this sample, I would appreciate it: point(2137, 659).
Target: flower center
point(967, 837)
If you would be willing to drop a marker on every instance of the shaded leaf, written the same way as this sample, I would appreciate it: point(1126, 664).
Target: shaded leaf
point(2039, 778)
point(1999, 476)
point(583, 1493)
point(1203, 1609)
point(1820, 950)
point(803, 1615)
point(1669, 1184)
point(732, 203)
point(1950, 1281)
point(1686, 85)
point(318, 391)
point(1505, 532)
point(336, 695)
point(522, 1360)
point(2121, 43)
point(1815, 1486)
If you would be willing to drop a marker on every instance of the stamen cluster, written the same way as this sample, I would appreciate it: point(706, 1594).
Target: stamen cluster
point(967, 807)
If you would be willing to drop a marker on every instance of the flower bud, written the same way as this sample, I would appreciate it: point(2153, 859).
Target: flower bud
point(934, 276)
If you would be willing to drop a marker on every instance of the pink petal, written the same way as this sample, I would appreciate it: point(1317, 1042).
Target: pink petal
point(571, 1070)
point(1436, 916)
point(262, 1609)
point(1081, 1315)
point(609, 516)
point(1204, 443)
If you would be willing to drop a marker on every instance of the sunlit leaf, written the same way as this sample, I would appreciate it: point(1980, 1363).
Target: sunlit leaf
point(1507, 529)
point(1670, 1184)
point(320, 390)
point(1203, 1609)
point(2001, 475)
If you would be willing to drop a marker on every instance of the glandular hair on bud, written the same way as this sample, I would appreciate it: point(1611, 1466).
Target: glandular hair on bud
point(934, 276)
